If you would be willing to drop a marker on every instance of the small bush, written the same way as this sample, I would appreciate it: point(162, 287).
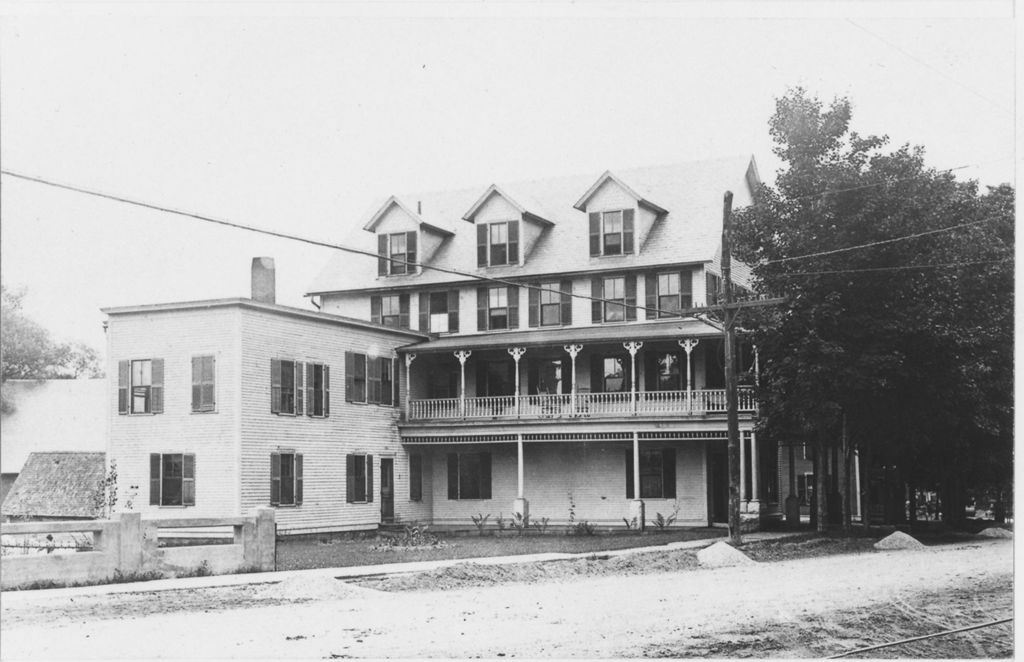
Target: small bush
point(480, 521)
point(520, 522)
point(542, 524)
point(413, 536)
point(500, 521)
point(631, 523)
point(583, 528)
point(662, 522)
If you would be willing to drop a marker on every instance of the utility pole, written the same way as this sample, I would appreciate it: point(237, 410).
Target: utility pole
point(732, 416)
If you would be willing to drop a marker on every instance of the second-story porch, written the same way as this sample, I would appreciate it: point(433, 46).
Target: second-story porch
point(659, 369)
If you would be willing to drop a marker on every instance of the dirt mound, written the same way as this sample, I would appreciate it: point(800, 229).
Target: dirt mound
point(899, 540)
point(313, 586)
point(721, 555)
point(995, 532)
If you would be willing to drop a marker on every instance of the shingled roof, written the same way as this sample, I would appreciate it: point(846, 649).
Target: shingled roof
point(689, 233)
point(56, 485)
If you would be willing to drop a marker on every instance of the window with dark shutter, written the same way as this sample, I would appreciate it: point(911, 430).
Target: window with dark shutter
point(373, 380)
point(375, 309)
point(157, 406)
point(275, 479)
point(355, 377)
point(481, 309)
point(317, 389)
point(350, 478)
point(630, 494)
point(203, 383)
point(566, 301)
point(298, 479)
point(369, 479)
point(481, 245)
point(386, 380)
point(533, 305)
point(382, 252)
point(123, 381)
point(596, 305)
point(396, 384)
point(410, 256)
point(297, 388)
point(141, 381)
point(188, 480)
point(513, 307)
point(172, 479)
point(627, 231)
point(285, 387)
point(154, 479)
point(630, 297)
point(275, 386)
point(595, 233)
point(513, 242)
point(453, 311)
point(415, 477)
point(403, 311)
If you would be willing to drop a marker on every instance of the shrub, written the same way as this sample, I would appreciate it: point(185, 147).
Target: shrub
point(520, 522)
point(663, 522)
point(631, 523)
point(412, 536)
point(542, 524)
point(500, 521)
point(583, 528)
point(479, 521)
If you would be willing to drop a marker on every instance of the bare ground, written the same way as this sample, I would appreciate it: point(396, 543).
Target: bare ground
point(811, 607)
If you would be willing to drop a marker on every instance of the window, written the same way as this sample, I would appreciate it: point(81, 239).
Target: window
point(469, 476)
point(548, 376)
point(439, 312)
point(286, 478)
point(614, 375)
point(203, 383)
point(495, 377)
point(140, 386)
point(172, 479)
point(415, 477)
point(359, 478)
point(611, 232)
point(497, 243)
point(657, 473)
point(805, 488)
point(497, 308)
point(396, 253)
point(668, 293)
point(318, 389)
point(286, 387)
point(370, 379)
point(390, 310)
point(663, 371)
point(614, 298)
point(551, 304)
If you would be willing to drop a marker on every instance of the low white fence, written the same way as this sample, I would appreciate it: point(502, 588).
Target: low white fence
point(128, 547)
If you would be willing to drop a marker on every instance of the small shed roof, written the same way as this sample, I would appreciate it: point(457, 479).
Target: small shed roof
point(56, 485)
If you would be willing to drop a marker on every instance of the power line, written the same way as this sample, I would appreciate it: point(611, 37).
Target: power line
point(899, 268)
point(691, 312)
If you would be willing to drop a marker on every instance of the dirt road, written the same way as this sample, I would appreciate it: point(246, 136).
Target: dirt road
point(810, 607)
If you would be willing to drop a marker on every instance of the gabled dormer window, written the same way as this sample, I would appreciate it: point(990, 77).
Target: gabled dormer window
point(497, 243)
point(397, 253)
point(611, 232)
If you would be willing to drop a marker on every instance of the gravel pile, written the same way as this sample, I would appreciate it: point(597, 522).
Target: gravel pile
point(995, 532)
point(721, 555)
point(899, 540)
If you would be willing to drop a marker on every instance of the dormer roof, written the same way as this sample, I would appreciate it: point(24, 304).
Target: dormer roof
point(393, 201)
point(525, 205)
point(608, 175)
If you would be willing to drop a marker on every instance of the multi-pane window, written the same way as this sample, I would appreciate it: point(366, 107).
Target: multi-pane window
point(390, 310)
point(140, 386)
point(286, 387)
point(396, 253)
point(204, 383)
point(550, 304)
point(318, 387)
point(286, 478)
point(498, 243)
point(614, 375)
point(358, 478)
point(548, 376)
point(439, 312)
point(370, 379)
point(611, 232)
point(615, 299)
point(669, 293)
point(657, 473)
point(469, 476)
point(497, 308)
point(172, 479)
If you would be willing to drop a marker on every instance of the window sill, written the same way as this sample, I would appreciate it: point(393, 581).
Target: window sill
point(162, 507)
point(286, 505)
point(141, 413)
point(212, 411)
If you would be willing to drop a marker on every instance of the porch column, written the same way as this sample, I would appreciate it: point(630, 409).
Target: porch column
point(573, 350)
point(743, 467)
point(521, 505)
point(688, 344)
point(636, 506)
point(757, 367)
point(462, 355)
point(756, 496)
point(632, 348)
point(517, 353)
point(409, 358)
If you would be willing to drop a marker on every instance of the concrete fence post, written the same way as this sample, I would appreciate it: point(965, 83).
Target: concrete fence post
point(266, 539)
point(130, 543)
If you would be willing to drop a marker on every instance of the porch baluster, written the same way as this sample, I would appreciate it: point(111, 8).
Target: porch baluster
point(632, 348)
point(462, 355)
point(573, 351)
point(688, 344)
point(517, 353)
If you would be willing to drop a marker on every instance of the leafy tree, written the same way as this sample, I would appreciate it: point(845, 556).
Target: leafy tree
point(908, 343)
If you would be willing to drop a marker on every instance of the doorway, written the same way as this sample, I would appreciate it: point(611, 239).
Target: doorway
point(718, 483)
point(387, 490)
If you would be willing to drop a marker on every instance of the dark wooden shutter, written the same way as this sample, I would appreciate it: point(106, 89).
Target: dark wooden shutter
point(395, 384)
point(275, 386)
point(375, 309)
point(373, 386)
point(485, 475)
point(685, 289)
point(350, 373)
point(197, 383)
point(629, 473)
point(627, 230)
point(157, 388)
point(651, 292)
point(566, 375)
point(650, 370)
point(124, 369)
point(275, 479)
point(453, 313)
point(595, 233)
point(310, 395)
point(410, 250)
point(481, 309)
point(415, 477)
point(298, 479)
point(382, 252)
point(453, 476)
point(359, 378)
point(668, 473)
point(596, 305)
point(630, 297)
point(424, 311)
point(327, 390)
point(298, 388)
point(387, 387)
point(350, 478)
point(188, 479)
point(403, 311)
point(596, 373)
point(154, 479)
point(369, 479)
point(533, 299)
point(481, 245)
point(566, 313)
point(513, 242)
point(513, 307)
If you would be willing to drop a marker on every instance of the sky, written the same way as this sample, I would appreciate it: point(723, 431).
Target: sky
point(300, 118)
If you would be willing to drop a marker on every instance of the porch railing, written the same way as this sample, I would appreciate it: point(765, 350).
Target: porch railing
point(647, 403)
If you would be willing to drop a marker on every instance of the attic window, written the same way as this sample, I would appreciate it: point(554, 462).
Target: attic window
point(397, 253)
point(497, 243)
point(611, 232)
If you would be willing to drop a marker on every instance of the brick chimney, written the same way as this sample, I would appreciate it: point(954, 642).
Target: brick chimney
point(263, 287)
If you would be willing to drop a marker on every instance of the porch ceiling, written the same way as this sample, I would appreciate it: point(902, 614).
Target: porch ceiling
point(662, 330)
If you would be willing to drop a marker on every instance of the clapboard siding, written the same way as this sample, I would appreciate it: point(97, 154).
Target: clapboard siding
point(324, 442)
point(175, 337)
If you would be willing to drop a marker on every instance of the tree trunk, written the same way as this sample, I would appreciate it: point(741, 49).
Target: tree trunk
point(844, 478)
point(812, 503)
point(822, 485)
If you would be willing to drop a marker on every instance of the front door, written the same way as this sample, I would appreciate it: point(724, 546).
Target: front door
point(718, 484)
point(387, 490)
